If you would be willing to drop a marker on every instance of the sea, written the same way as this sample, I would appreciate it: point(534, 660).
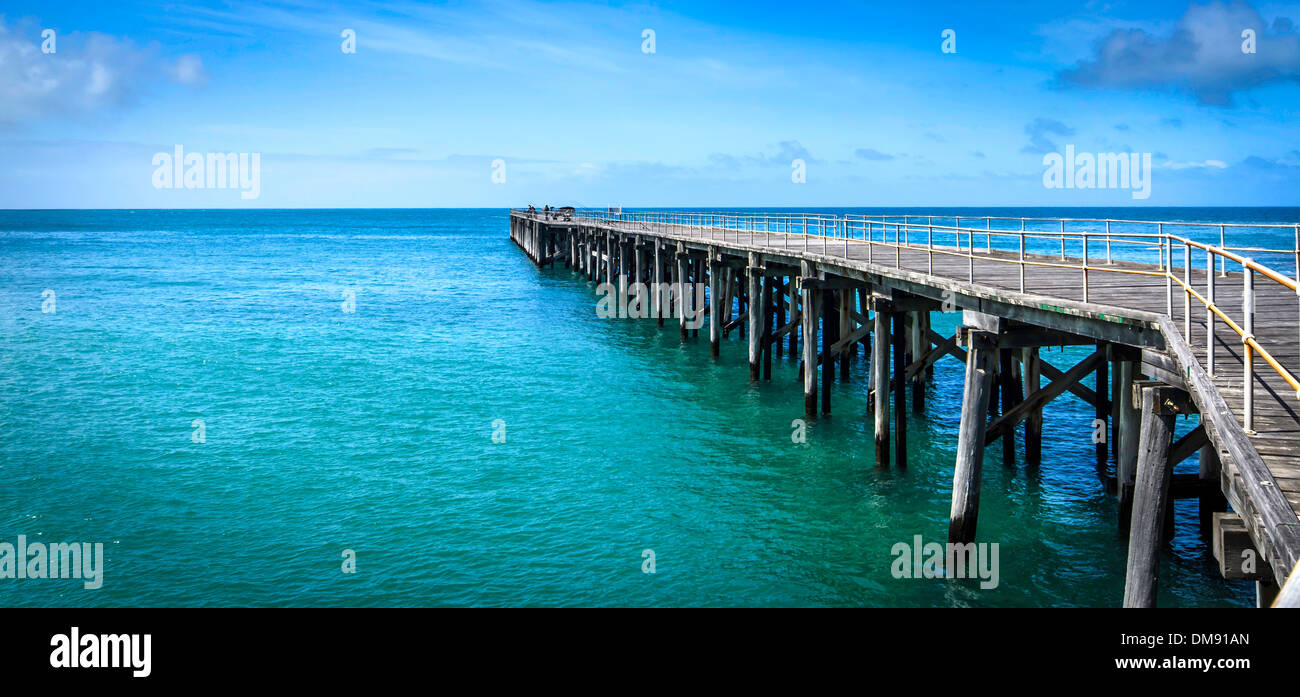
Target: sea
point(396, 408)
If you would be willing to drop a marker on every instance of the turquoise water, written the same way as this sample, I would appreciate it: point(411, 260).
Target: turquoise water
point(372, 431)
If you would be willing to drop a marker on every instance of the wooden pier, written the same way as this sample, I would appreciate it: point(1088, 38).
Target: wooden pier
point(1175, 324)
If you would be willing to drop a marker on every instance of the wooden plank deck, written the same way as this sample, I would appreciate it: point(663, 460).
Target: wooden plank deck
point(1128, 295)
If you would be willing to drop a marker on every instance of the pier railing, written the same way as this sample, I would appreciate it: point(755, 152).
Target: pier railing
point(1169, 250)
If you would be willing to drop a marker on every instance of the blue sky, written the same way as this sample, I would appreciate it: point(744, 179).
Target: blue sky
point(565, 96)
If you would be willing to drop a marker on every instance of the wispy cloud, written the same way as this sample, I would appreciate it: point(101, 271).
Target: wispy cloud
point(1206, 164)
point(509, 36)
point(872, 154)
point(1273, 165)
point(1038, 131)
point(783, 155)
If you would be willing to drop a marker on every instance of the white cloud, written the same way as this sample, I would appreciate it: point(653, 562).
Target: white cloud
point(187, 70)
point(86, 73)
point(1203, 55)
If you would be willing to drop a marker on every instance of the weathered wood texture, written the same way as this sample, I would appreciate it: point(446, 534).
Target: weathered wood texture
point(1150, 497)
point(808, 313)
point(880, 385)
point(964, 515)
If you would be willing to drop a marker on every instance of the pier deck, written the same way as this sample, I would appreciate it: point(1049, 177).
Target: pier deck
point(1153, 297)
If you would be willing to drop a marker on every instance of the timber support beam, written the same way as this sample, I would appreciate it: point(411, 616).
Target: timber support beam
point(976, 392)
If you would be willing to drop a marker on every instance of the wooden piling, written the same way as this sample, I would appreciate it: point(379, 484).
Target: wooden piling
point(588, 255)
point(808, 314)
point(754, 278)
point(920, 346)
point(657, 269)
point(976, 393)
point(622, 271)
point(927, 332)
point(768, 311)
point(880, 383)
point(683, 295)
point(716, 319)
point(742, 303)
point(609, 258)
point(1102, 411)
point(864, 317)
point(696, 266)
point(727, 297)
point(1211, 499)
point(1150, 497)
point(994, 399)
point(780, 316)
point(830, 328)
point(1007, 391)
point(1129, 432)
point(900, 389)
point(794, 336)
point(844, 329)
point(638, 251)
point(1034, 421)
